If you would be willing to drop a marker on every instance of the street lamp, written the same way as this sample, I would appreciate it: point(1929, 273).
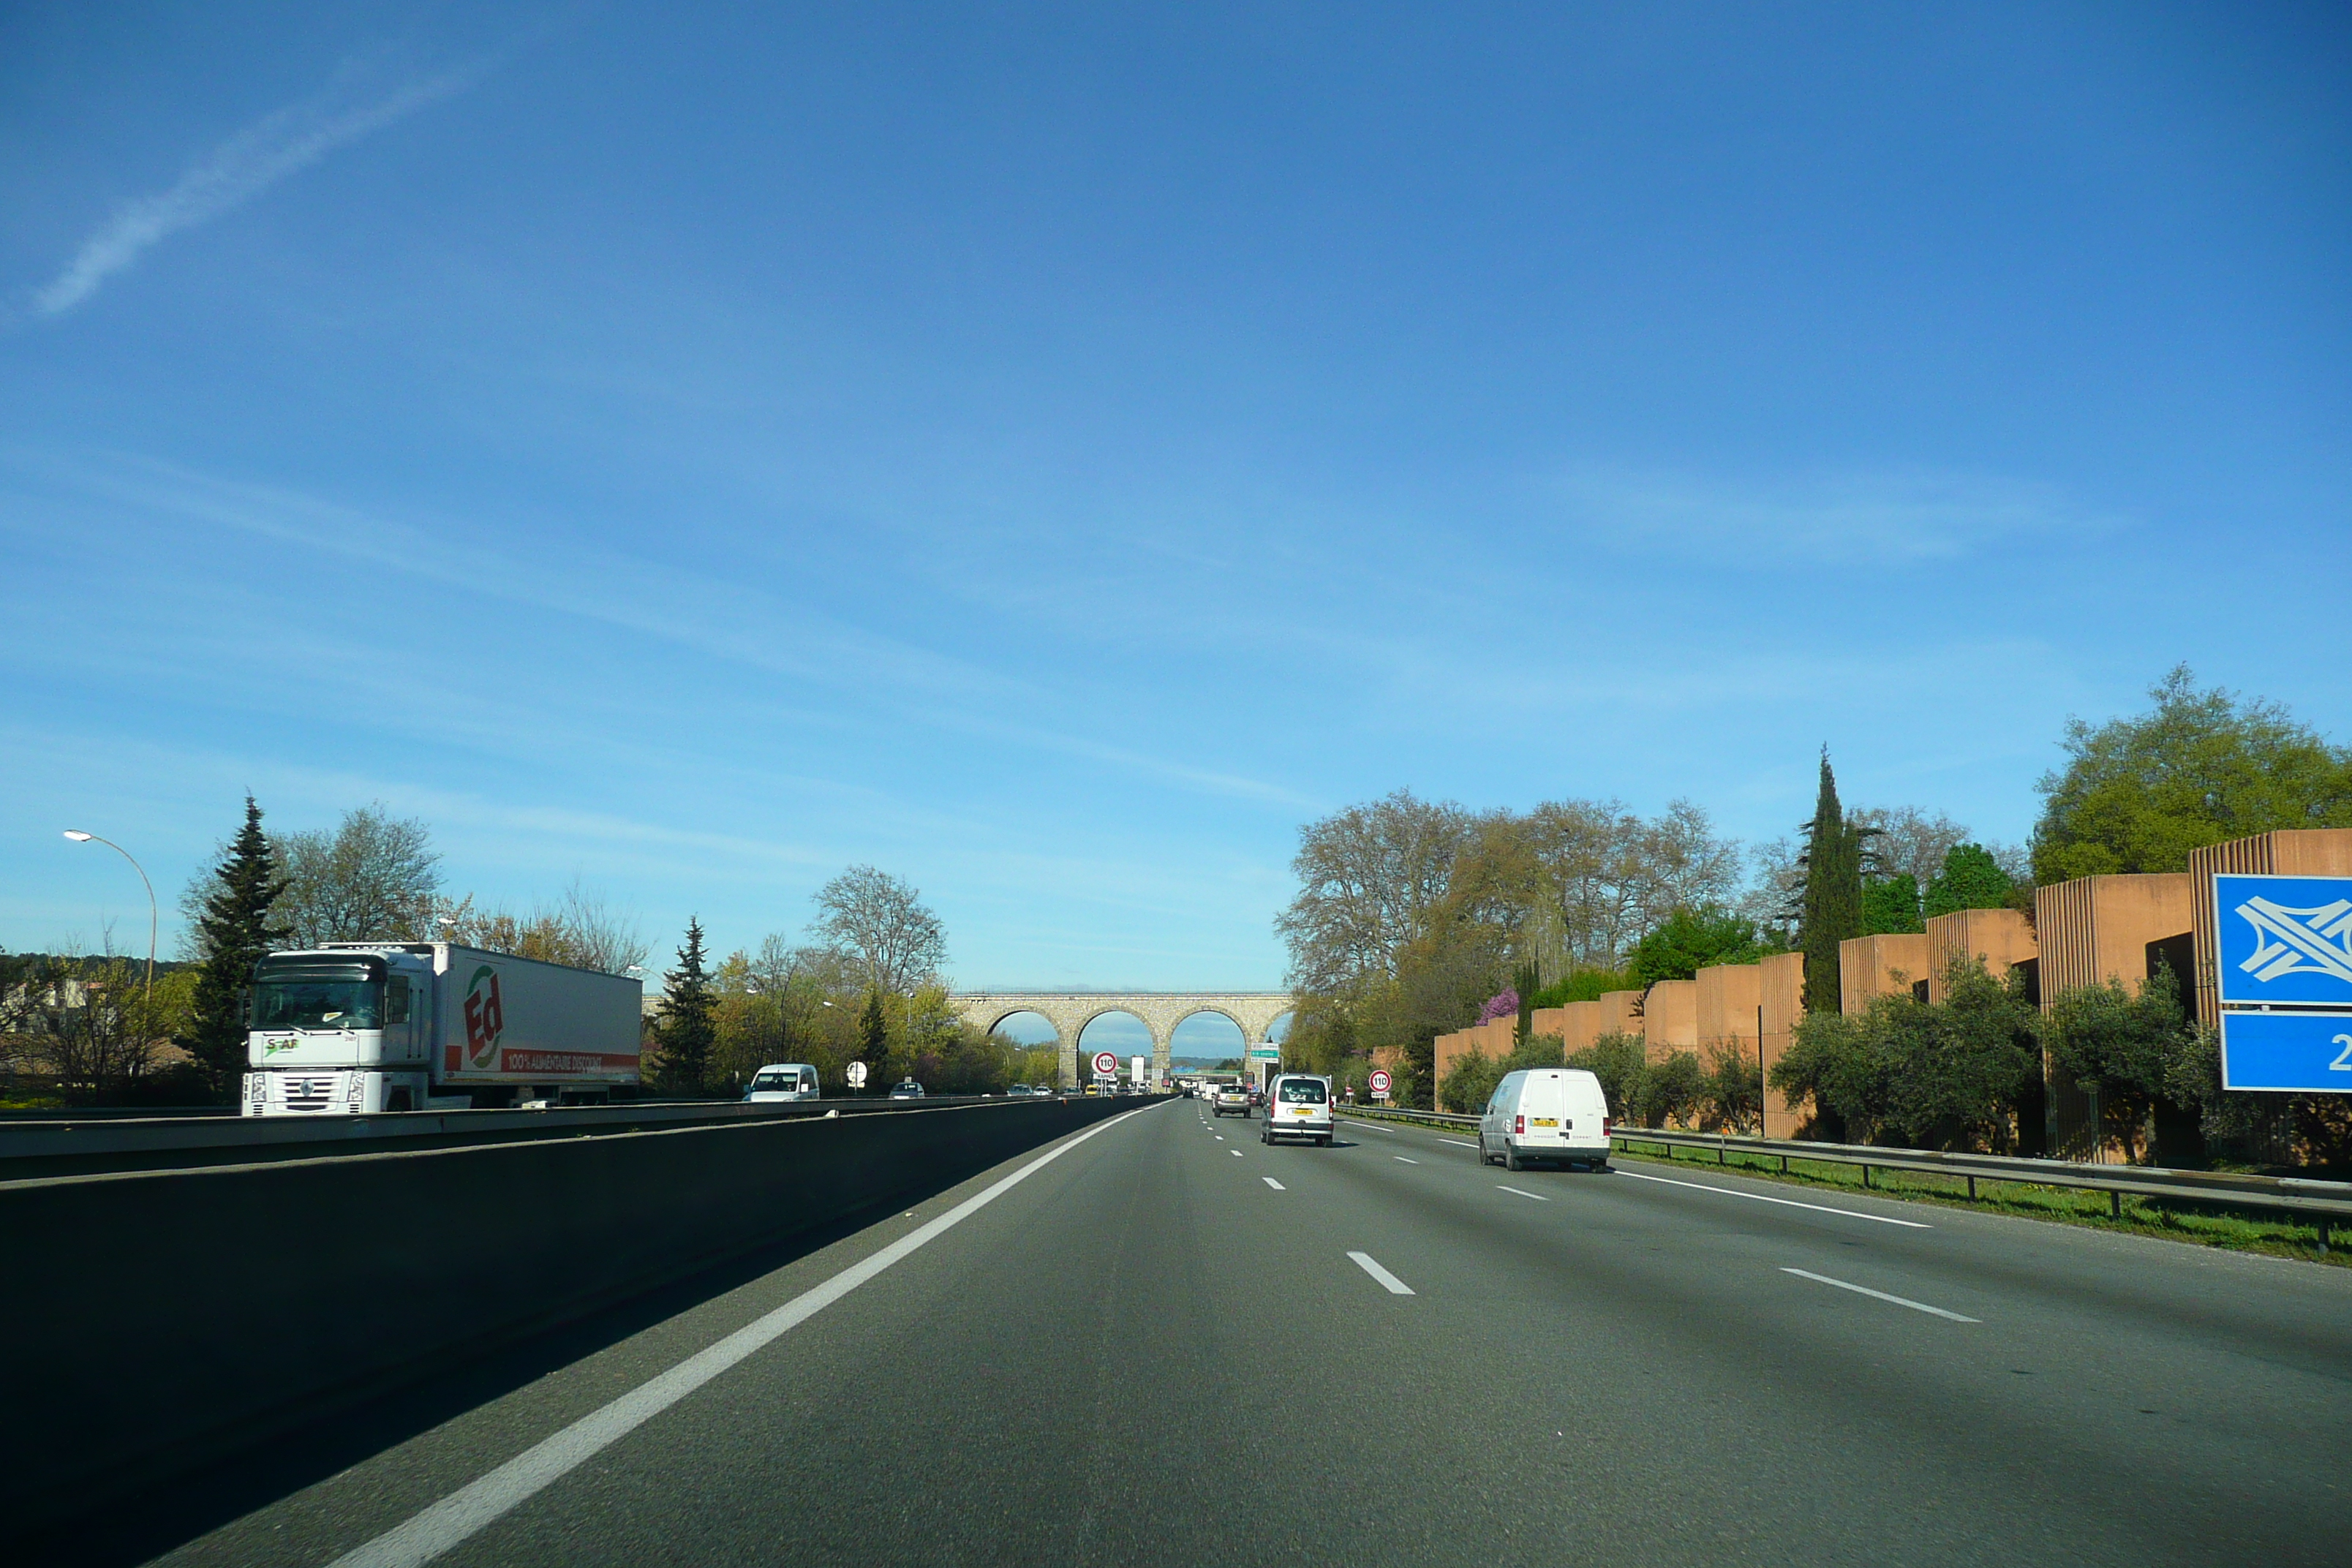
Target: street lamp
point(79, 836)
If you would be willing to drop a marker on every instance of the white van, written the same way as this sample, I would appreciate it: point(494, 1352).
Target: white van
point(1545, 1113)
point(1297, 1106)
point(783, 1080)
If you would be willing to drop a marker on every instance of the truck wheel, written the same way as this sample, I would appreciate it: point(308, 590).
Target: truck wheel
point(1511, 1158)
point(398, 1102)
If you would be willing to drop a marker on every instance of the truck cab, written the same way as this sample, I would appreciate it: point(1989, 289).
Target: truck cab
point(339, 1032)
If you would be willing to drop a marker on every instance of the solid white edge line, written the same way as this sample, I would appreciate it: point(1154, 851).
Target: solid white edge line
point(1880, 1294)
point(1396, 1287)
point(1538, 1196)
point(1789, 1202)
point(446, 1524)
point(1270, 1181)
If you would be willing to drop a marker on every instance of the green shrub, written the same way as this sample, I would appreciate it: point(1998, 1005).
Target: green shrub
point(1671, 1091)
point(1618, 1060)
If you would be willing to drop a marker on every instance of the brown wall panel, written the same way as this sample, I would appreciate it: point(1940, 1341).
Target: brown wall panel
point(1872, 966)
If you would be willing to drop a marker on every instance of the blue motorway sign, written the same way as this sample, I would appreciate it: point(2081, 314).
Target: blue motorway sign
point(2296, 1051)
point(2284, 939)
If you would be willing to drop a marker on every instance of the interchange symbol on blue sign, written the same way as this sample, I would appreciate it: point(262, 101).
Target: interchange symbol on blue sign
point(2283, 944)
point(2284, 939)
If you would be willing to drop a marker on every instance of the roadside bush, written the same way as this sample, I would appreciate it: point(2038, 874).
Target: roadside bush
point(1734, 1101)
point(1471, 1084)
point(1618, 1060)
point(1466, 1089)
point(1963, 1073)
point(2142, 1057)
point(1671, 1091)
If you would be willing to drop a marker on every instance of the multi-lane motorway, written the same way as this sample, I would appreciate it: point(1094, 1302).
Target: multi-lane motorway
point(1168, 1344)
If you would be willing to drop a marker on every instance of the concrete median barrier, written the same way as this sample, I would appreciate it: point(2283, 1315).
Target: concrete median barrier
point(156, 1318)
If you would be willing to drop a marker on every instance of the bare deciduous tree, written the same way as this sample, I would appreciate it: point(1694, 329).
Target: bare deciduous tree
point(1371, 878)
point(580, 929)
point(1575, 883)
point(1910, 841)
point(88, 1026)
point(880, 925)
point(373, 878)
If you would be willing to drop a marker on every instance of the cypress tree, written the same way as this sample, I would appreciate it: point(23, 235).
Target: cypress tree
point(874, 1039)
point(1833, 897)
point(687, 1031)
point(236, 935)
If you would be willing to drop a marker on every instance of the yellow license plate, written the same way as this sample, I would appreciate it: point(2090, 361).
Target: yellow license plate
point(1546, 1121)
point(1302, 1110)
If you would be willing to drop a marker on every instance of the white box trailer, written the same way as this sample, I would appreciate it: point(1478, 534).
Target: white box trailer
point(348, 1028)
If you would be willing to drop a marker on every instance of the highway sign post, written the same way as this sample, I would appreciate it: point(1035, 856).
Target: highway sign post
point(1381, 1084)
point(856, 1073)
point(2283, 974)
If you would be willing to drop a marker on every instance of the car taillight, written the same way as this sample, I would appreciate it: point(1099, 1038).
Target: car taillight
point(1608, 1125)
point(1518, 1124)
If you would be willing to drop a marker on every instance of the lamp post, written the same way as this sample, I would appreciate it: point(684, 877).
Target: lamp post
point(79, 836)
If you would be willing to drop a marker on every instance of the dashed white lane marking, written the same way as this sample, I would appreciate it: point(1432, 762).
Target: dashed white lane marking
point(1236, 1153)
point(1880, 1295)
point(1785, 1203)
point(1538, 1196)
point(448, 1522)
point(1396, 1287)
point(1270, 1181)
point(1221, 1137)
point(1402, 1161)
point(1457, 1143)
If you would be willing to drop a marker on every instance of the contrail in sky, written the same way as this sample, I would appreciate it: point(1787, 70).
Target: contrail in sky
point(242, 167)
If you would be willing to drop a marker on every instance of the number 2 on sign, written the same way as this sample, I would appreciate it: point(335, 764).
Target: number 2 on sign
point(2342, 1062)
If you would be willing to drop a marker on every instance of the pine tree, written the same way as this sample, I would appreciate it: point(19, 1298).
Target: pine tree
point(874, 1039)
point(1833, 897)
point(687, 1030)
point(236, 935)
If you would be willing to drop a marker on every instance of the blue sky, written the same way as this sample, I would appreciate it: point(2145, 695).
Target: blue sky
point(1053, 453)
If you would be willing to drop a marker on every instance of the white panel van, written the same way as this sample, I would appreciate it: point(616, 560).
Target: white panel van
point(783, 1080)
point(1297, 1106)
point(1545, 1113)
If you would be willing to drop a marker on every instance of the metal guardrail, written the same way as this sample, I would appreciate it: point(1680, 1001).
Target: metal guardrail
point(30, 1149)
point(2327, 1202)
point(1395, 1113)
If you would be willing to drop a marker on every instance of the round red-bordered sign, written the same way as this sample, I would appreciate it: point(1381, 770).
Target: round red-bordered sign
point(1106, 1065)
point(1380, 1082)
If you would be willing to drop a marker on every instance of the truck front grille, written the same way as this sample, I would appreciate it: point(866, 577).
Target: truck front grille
point(309, 1093)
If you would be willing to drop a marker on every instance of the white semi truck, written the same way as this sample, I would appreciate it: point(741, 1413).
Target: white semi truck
point(351, 1028)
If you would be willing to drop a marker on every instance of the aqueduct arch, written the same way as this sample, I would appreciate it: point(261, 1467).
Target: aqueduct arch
point(1253, 1011)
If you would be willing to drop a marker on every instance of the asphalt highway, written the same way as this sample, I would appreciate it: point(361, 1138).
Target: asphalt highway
point(1168, 1344)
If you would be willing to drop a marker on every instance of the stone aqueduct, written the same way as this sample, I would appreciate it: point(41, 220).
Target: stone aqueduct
point(1253, 1012)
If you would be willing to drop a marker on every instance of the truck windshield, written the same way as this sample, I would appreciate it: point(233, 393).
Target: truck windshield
point(291, 1004)
point(1301, 1091)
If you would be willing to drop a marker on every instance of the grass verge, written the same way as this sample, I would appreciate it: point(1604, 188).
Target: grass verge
point(2200, 1222)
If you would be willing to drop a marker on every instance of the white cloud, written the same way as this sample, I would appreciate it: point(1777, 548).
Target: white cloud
point(247, 164)
point(1853, 520)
